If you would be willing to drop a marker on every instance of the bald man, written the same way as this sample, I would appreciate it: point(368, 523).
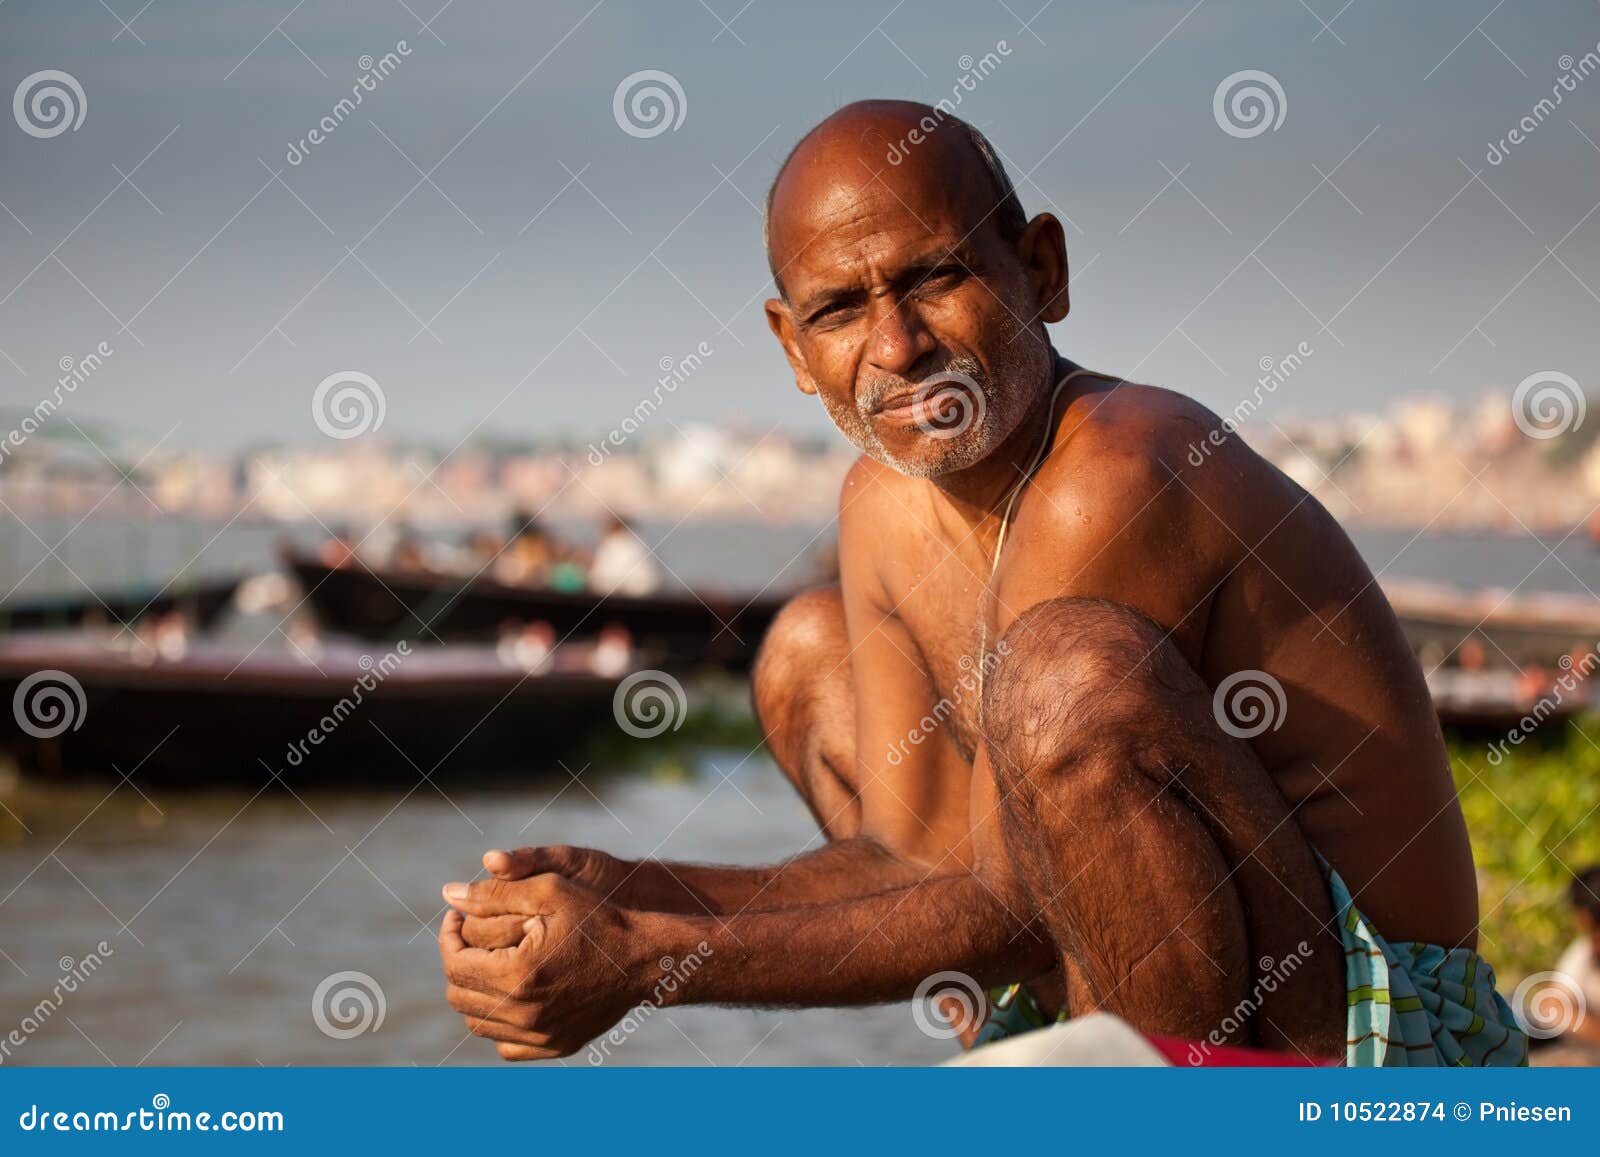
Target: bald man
point(1103, 703)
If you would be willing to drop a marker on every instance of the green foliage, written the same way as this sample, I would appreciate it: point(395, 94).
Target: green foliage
point(1534, 819)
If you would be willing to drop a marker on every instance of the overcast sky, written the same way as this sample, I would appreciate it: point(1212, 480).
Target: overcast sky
point(550, 260)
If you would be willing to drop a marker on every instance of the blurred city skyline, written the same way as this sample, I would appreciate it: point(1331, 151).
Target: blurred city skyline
point(485, 238)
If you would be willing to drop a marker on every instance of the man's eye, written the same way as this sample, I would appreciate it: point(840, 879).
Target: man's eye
point(829, 315)
point(944, 276)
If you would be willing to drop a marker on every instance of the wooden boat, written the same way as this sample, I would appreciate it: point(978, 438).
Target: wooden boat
point(202, 603)
point(90, 704)
point(1512, 630)
point(1499, 700)
point(685, 627)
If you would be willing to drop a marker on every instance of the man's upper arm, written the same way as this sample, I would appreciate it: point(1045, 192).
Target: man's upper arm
point(913, 782)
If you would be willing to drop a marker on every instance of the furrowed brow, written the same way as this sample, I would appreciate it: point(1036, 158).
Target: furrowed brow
point(825, 297)
point(923, 267)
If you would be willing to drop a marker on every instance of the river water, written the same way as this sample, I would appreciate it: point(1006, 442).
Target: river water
point(223, 911)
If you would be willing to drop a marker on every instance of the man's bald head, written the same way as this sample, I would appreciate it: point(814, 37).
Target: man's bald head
point(913, 291)
point(884, 140)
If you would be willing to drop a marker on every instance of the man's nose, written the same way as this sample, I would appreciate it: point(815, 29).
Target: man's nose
point(899, 338)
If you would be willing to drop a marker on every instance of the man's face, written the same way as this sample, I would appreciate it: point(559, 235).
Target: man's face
point(910, 317)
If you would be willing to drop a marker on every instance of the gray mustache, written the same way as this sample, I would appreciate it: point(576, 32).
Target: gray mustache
point(877, 389)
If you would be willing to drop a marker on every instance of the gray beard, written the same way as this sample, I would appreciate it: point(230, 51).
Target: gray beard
point(999, 411)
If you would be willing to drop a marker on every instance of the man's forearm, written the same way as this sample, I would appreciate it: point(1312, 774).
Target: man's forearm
point(845, 870)
point(861, 951)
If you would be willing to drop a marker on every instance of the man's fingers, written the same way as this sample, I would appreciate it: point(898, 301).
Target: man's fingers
point(481, 969)
point(518, 864)
point(494, 1018)
point(532, 897)
point(450, 936)
point(493, 931)
point(514, 1052)
point(519, 1019)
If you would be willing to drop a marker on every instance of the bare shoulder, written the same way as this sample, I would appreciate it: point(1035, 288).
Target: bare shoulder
point(1132, 447)
point(1138, 502)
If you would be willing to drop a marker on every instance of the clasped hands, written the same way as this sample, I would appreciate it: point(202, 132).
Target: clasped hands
point(541, 958)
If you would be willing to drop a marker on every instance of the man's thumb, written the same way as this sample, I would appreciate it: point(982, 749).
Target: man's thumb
point(514, 865)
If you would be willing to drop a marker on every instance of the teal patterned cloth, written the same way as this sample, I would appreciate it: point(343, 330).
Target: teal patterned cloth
point(1413, 1004)
point(1409, 1004)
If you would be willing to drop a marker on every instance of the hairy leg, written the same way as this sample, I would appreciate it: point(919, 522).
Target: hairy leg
point(805, 703)
point(1157, 848)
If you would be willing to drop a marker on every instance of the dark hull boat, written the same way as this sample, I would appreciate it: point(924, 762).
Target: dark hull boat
point(685, 628)
point(83, 704)
point(201, 603)
point(1513, 629)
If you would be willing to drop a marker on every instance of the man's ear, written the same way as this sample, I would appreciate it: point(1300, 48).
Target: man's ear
point(1043, 250)
point(781, 321)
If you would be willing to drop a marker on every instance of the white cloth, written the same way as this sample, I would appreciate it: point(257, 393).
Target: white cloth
point(623, 565)
point(1578, 962)
point(1098, 1040)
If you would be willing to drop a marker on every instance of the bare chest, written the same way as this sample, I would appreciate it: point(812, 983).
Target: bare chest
point(950, 614)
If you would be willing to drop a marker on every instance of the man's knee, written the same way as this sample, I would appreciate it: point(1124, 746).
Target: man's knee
point(1073, 676)
point(806, 640)
point(802, 668)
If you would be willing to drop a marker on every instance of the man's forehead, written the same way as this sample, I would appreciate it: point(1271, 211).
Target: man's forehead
point(841, 191)
point(872, 226)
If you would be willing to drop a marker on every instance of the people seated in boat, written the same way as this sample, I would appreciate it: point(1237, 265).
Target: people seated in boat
point(303, 638)
point(409, 551)
point(337, 550)
point(530, 646)
point(1106, 713)
point(622, 564)
point(162, 637)
point(480, 548)
point(529, 552)
point(613, 651)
